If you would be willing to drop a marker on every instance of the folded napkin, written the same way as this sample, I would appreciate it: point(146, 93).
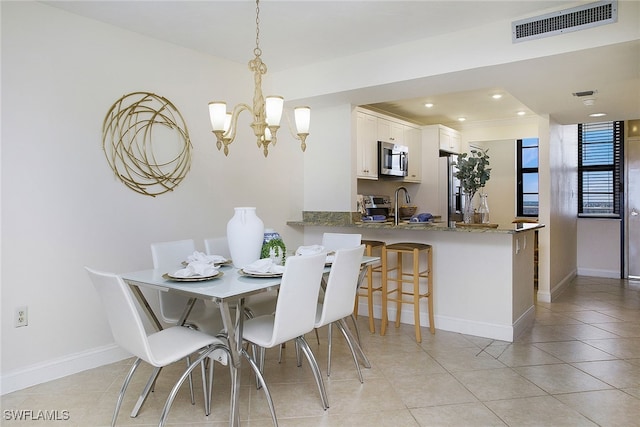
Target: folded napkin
point(193, 269)
point(421, 217)
point(374, 218)
point(263, 266)
point(202, 257)
point(310, 250)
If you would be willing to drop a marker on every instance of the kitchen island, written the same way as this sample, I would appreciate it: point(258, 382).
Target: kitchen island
point(483, 277)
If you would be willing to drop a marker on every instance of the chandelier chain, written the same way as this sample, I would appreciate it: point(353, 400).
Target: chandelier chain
point(257, 51)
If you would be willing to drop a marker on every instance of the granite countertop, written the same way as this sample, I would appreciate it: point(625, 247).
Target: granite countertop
point(350, 219)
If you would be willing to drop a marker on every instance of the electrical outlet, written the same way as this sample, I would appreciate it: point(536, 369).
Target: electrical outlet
point(22, 318)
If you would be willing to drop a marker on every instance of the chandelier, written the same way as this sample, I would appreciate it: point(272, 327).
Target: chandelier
point(266, 112)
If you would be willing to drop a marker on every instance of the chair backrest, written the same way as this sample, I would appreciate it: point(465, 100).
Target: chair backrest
point(169, 256)
point(297, 297)
point(335, 241)
point(217, 246)
point(342, 285)
point(126, 324)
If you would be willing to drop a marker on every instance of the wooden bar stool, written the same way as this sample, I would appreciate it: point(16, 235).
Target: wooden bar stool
point(401, 277)
point(367, 290)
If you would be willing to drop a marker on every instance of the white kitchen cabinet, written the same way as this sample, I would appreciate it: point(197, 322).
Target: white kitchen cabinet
point(367, 146)
point(413, 140)
point(450, 140)
point(390, 131)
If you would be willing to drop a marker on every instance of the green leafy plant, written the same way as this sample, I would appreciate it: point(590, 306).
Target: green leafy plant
point(278, 247)
point(473, 171)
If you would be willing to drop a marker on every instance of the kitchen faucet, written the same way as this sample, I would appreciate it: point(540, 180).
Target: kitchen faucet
point(407, 199)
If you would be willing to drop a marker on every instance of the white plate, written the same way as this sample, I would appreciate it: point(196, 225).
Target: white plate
point(250, 274)
point(169, 276)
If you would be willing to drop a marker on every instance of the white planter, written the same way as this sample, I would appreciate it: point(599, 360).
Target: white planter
point(245, 233)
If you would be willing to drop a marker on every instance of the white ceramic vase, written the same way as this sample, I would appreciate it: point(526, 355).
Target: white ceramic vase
point(245, 233)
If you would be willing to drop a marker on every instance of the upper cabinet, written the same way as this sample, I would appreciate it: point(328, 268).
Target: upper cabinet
point(449, 139)
point(373, 127)
point(367, 146)
point(413, 140)
point(390, 131)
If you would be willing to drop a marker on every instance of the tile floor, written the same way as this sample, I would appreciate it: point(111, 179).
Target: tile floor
point(579, 365)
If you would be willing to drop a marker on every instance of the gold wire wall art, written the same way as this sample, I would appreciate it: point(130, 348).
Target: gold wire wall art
point(146, 142)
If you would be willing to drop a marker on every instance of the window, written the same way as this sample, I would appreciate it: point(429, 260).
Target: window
point(527, 176)
point(600, 179)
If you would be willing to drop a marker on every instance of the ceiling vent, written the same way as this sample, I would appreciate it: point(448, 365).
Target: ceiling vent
point(564, 21)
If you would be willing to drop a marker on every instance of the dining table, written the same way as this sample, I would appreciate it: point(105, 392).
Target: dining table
point(228, 291)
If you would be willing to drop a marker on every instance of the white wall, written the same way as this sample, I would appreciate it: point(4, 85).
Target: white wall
point(63, 209)
point(598, 247)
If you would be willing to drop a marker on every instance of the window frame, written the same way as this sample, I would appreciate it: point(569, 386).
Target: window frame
point(616, 168)
point(520, 171)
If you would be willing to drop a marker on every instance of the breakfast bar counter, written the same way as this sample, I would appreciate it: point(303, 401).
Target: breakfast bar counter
point(483, 276)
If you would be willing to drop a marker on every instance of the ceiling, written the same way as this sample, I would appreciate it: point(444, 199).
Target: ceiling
point(296, 33)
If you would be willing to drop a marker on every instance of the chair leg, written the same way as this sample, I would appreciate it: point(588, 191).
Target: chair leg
point(123, 389)
point(344, 328)
point(330, 346)
point(174, 391)
point(316, 370)
point(353, 352)
point(193, 399)
point(209, 386)
point(356, 327)
point(145, 392)
point(260, 378)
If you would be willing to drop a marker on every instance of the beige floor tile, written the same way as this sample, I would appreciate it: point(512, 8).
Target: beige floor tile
point(519, 354)
point(469, 414)
point(592, 317)
point(574, 351)
point(606, 408)
point(562, 378)
point(621, 348)
point(538, 412)
point(621, 329)
point(496, 384)
point(431, 390)
point(449, 379)
point(466, 359)
point(618, 373)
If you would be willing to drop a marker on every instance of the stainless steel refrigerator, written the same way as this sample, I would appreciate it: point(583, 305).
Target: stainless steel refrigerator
point(450, 192)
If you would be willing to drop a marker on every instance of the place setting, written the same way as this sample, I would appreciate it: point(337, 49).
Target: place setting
point(199, 267)
point(265, 267)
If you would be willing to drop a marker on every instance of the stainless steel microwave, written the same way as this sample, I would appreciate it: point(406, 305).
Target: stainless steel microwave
point(393, 159)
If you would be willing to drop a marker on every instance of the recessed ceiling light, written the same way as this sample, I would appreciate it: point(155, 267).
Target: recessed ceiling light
point(496, 96)
point(428, 105)
point(589, 102)
point(462, 119)
point(597, 114)
point(521, 113)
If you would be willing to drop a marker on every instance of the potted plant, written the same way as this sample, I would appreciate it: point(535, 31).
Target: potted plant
point(473, 174)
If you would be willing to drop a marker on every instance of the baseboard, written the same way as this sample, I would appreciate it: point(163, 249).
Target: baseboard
point(524, 322)
point(61, 367)
point(609, 274)
point(562, 285)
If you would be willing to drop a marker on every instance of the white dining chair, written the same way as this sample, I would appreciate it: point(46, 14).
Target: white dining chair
point(204, 316)
point(339, 293)
point(255, 305)
point(294, 315)
point(335, 241)
point(158, 349)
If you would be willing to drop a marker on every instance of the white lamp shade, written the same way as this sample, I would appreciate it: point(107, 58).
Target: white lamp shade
point(218, 115)
point(273, 109)
point(267, 134)
point(303, 119)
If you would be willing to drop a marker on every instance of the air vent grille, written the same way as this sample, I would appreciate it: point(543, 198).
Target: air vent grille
point(564, 21)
